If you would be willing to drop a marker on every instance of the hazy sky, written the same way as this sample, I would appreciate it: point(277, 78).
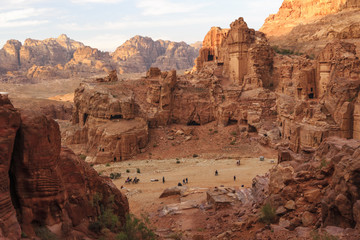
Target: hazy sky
point(106, 24)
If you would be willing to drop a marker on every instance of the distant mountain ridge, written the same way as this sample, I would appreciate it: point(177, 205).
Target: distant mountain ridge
point(63, 57)
point(140, 53)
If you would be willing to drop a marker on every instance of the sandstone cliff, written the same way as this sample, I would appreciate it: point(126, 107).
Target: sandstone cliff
point(306, 26)
point(140, 53)
point(64, 58)
point(45, 187)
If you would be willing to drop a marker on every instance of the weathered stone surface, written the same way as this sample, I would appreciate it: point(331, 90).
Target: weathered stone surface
point(307, 26)
point(307, 219)
point(312, 195)
point(9, 124)
point(107, 126)
point(211, 45)
point(173, 191)
point(290, 205)
point(47, 186)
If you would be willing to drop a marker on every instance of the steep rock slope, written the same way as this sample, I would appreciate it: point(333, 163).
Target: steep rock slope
point(306, 26)
point(44, 186)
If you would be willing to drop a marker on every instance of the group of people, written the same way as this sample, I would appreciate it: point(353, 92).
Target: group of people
point(184, 182)
point(130, 180)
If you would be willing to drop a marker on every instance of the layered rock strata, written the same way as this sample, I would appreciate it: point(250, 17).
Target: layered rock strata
point(307, 26)
point(107, 124)
point(45, 186)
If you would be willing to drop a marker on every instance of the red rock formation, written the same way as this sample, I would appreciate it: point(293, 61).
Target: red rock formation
point(112, 77)
point(49, 187)
point(307, 26)
point(109, 128)
point(324, 190)
point(10, 122)
point(210, 47)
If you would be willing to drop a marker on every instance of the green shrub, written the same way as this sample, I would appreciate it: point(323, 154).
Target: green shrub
point(82, 156)
point(107, 165)
point(127, 170)
point(232, 142)
point(45, 234)
point(177, 161)
point(109, 220)
point(95, 227)
point(24, 235)
point(136, 229)
point(155, 145)
point(115, 175)
point(268, 214)
point(195, 155)
point(323, 163)
point(233, 133)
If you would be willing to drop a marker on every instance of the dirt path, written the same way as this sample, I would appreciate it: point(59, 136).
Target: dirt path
point(144, 196)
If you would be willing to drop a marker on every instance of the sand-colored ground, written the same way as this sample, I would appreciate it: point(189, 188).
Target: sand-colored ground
point(144, 196)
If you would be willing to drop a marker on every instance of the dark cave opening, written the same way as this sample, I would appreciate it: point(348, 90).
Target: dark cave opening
point(193, 123)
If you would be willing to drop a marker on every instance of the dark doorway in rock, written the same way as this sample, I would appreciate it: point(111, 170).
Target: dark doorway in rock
point(112, 117)
point(15, 161)
point(311, 96)
point(210, 57)
point(252, 129)
point(114, 159)
point(232, 121)
point(193, 123)
point(85, 117)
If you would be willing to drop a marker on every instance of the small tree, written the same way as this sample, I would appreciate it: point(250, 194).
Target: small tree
point(268, 214)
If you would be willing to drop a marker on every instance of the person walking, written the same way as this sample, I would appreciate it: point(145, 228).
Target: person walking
point(234, 178)
point(163, 179)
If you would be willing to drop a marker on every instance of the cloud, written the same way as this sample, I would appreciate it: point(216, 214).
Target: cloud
point(96, 1)
point(22, 17)
point(141, 24)
point(105, 42)
point(162, 7)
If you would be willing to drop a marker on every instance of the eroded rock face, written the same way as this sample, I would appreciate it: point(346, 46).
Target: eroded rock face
point(47, 186)
point(324, 190)
point(10, 122)
point(140, 53)
point(109, 128)
point(10, 56)
point(307, 26)
point(210, 47)
point(47, 52)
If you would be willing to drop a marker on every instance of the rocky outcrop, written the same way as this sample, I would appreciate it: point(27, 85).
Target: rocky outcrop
point(10, 122)
point(107, 124)
point(10, 56)
point(47, 52)
point(210, 47)
point(140, 53)
point(322, 192)
point(89, 59)
point(307, 26)
point(63, 58)
point(46, 187)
